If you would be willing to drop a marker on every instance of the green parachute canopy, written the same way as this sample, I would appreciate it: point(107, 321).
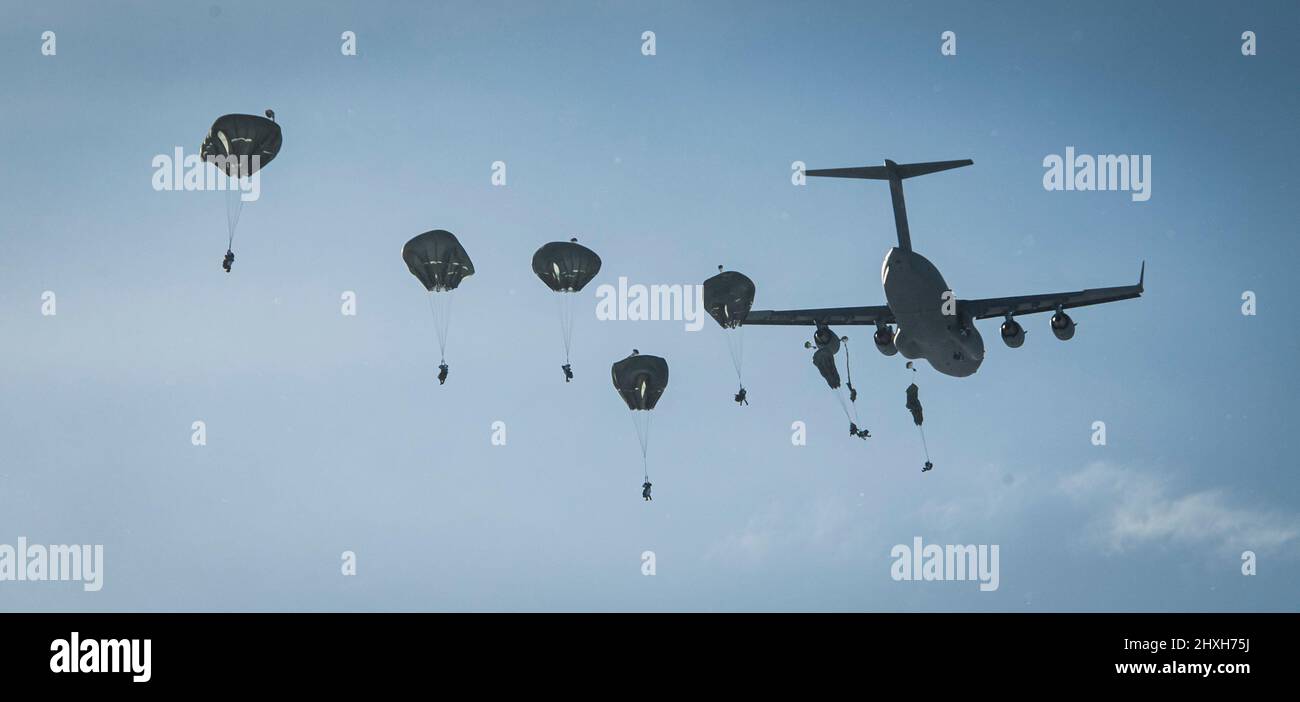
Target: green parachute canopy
point(242, 136)
point(437, 260)
point(640, 380)
point(566, 266)
point(728, 297)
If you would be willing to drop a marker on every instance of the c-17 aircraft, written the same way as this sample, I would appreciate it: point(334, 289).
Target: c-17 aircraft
point(929, 324)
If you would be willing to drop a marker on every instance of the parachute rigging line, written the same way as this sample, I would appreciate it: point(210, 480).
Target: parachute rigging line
point(848, 368)
point(850, 409)
point(735, 338)
point(566, 302)
point(924, 446)
point(441, 310)
point(643, 435)
point(234, 207)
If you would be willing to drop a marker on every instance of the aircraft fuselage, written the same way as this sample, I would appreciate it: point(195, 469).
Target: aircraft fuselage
point(927, 327)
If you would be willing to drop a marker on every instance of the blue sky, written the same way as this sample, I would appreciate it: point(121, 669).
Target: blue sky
point(328, 433)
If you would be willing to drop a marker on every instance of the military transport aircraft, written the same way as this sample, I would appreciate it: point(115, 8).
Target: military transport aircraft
point(931, 324)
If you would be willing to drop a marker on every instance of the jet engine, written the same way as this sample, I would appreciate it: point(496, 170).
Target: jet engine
point(1062, 326)
point(826, 339)
point(1013, 334)
point(884, 338)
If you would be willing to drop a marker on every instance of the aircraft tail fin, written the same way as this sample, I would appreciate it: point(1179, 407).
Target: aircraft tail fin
point(894, 173)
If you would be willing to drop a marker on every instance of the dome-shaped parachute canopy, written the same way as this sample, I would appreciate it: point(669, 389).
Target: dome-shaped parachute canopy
point(566, 266)
point(728, 297)
point(640, 380)
point(438, 260)
point(235, 136)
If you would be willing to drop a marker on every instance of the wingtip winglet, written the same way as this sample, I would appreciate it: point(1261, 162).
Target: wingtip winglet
point(1142, 276)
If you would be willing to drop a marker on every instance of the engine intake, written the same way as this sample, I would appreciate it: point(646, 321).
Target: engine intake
point(1013, 334)
point(1062, 326)
point(827, 339)
point(884, 338)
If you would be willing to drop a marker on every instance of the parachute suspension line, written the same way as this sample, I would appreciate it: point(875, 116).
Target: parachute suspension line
point(642, 425)
point(924, 446)
point(441, 310)
point(848, 369)
point(850, 409)
point(234, 207)
point(736, 347)
point(567, 302)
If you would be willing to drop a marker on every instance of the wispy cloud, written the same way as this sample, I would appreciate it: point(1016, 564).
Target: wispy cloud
point(1117, 509)
point(826, 524)
point(1135, 509)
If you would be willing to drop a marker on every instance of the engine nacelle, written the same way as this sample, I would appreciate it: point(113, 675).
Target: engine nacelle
point(884, 338)
point(824, 338)
point(1062, 326)
point(1013, 334)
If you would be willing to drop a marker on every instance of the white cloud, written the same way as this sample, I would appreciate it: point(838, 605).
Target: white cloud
point(1116, 509)
point(1135, 509)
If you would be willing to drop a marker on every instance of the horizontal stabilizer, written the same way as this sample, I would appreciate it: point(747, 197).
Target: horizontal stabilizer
point(902, 170)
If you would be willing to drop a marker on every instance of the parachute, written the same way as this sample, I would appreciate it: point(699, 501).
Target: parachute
point(440, 263)
point(234, 140)
point(239, 146)
point(728, 297)
point(640, 381)
point(828, 344)
point(824, 359)
point(566, 267)
point(914, 406)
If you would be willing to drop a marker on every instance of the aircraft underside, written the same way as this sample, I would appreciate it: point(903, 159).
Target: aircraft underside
point(922, 318)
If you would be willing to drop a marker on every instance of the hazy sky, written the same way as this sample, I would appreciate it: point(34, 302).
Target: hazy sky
point(328, 433)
